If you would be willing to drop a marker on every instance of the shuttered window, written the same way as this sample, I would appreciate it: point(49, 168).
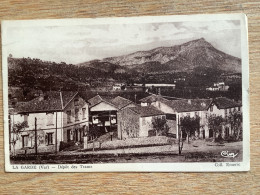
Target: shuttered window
point(25, 141)
point(49, 138)
point(69, 116)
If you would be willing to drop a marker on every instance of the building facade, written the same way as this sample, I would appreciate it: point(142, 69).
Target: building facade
point(50, 119)
point(203, 108)
point(137, 121)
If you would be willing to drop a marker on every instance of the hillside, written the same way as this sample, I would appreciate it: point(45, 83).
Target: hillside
point(197, 61)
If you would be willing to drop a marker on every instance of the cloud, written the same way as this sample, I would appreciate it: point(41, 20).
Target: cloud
point(81, 43)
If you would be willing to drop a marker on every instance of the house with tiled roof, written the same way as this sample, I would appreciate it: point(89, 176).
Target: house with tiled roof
point(151, 99)
point(224, 107)
point(176, 109)
point(56, 116)
point(136, 121)
point(103, 111)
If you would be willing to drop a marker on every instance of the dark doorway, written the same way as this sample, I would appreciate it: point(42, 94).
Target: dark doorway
point(68, 135)
point(226, 132)
point(210, 133)
point(76, 135)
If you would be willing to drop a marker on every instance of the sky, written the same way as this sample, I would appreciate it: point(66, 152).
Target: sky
point(77, 44)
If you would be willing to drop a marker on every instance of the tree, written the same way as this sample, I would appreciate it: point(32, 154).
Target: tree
point(235, 120)
point(15, 132)
point(160, 126)
point(190, 125)
point(215, 123)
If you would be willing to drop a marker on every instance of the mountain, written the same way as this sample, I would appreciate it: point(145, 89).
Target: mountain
point(184, 57)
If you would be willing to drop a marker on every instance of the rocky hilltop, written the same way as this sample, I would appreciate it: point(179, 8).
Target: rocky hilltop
point(185, 57)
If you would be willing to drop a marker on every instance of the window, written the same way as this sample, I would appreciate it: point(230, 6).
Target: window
point(206, 115)
point(196, 114)
point(164, 117)
point(76, 114)
point(69, 116)
point(25, 141)
point(211, 108)
point(188, 114)
point(95, 120)
point(26, 117)
point(238, 108)
point(171, 116)
point(83, 113)
point(229, 110)
point(49, 138)
point(76, 102)
point(113, 119)
point(50, 118)
point(225, 112)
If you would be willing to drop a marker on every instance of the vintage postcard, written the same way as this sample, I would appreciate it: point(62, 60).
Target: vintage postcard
point(146, 94)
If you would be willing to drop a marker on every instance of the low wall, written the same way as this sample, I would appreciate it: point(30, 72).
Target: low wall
point(40, 149)
point(133, 142)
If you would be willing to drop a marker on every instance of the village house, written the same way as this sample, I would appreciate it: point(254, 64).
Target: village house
point(176, 109)
point(103, 111)
point(223, 106)
point(54, 117)
point(137, 121)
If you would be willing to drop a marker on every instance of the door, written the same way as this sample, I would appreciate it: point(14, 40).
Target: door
point(226, 132)
point(68, 135)
point(210, 133)
point(76, 135)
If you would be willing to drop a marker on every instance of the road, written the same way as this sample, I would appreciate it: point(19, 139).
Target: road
point(196, 151)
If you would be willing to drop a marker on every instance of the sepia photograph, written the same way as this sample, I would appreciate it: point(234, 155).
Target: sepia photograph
point(154, 93)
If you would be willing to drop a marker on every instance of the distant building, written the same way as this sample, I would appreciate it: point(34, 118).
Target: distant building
point(220, 86)
point(160, 85)
point(117, 86)
point(136, 121)
point(59, 117)
point(147, 101)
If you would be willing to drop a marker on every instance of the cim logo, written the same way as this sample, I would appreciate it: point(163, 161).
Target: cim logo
point(228, 154)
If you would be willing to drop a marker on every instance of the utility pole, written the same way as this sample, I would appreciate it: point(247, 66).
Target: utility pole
point(35, 138)
point(56, 136)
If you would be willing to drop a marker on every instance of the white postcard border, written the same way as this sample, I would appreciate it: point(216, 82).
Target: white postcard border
point(136, 167)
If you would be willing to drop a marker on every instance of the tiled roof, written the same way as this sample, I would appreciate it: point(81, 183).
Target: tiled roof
point(50, 101)
point(86, 95)
point(188, 105)
point(120, 102)
point(152, 98)
point(144, 111)
point(224, 103)
point(97, 99)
